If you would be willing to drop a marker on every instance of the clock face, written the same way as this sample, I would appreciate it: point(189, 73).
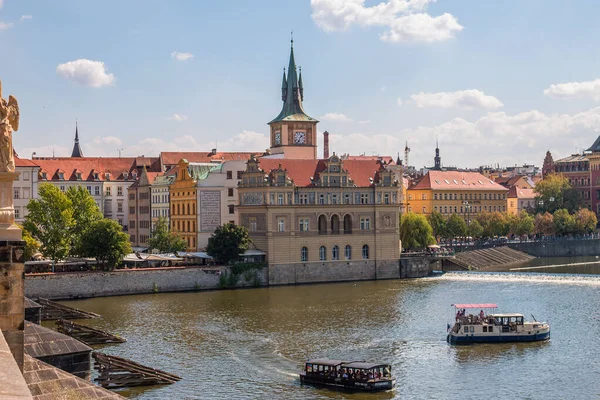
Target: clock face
point(300, 137)
point(277, 137)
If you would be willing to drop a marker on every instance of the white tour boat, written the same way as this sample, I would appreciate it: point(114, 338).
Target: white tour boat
point(491, 327)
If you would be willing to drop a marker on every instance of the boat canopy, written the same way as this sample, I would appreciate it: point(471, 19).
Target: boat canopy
point(365, 365)
point(326, 361)
point(483, 305)
point(506, 315)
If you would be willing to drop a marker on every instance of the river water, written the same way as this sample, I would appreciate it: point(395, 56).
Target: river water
point(251, 343)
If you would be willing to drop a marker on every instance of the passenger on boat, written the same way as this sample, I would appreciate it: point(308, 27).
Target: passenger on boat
point(481, 315)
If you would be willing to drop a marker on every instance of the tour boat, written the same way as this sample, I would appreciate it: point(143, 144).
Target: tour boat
point(492, 327)
point(348, 375)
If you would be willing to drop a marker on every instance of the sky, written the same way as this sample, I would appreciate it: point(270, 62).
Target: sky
point(495, 82)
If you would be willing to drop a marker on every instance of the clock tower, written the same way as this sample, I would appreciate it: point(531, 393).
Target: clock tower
point(293, 133)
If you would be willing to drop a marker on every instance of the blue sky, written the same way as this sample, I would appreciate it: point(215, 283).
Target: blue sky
point(182, 75)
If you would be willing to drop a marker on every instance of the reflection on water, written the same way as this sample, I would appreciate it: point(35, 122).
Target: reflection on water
point(252, 343)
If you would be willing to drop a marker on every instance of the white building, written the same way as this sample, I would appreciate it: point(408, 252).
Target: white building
point(25, 188)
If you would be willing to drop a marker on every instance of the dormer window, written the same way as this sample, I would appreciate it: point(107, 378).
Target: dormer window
point(61, 176)
point(95, 176)
point(78, 175)
point(44, 175)
point(134, 175)
point(107, 176)
point(125, 175)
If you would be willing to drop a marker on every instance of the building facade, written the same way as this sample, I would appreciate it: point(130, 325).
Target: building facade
point(140, 210)
point(576, 168)
point(519, 199)
point(455, 192)
point(183, 202)
point(25, 187)
point(160, 198)
point(321, 211)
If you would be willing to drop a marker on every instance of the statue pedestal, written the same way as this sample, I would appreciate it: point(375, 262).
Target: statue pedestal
point(8, 229)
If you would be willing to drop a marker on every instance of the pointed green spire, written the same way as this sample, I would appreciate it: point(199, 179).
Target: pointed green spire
point(292, 94)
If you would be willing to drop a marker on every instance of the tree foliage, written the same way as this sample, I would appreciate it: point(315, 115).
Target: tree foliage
point(493, 224)
point(456, 226)
point(554, 192)
point(105, 241)
point(415, 231)
point(521, 224)
point(49, 220)
point(31, 244)
point(585, 221)
point(475, 229)
point(438, 224)
point(564, 222)
point(165, 241)
point(85, 213)
point(544, 224)
point(228, 242)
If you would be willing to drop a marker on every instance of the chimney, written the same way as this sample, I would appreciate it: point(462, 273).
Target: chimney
point(325, 144)
point(213, 151)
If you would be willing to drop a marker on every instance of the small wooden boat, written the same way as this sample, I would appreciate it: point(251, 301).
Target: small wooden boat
point(493, 327)
point(348, 375)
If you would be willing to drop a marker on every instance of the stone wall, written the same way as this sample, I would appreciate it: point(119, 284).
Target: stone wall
point(418, 267)
point(332, 271)
point(559, 248)
point(12, 384)
point(138, 281)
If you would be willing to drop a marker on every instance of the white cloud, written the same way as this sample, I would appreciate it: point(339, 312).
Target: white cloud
point(86, 73)
point(335, 117)
point(466, 99)
point(112, 140)
point(575, 89)
point(399, 101)
point(1, 3)
point(26, 17)
point(181, 56)
point(5, 25)
point(405, 20)
point(178, 117)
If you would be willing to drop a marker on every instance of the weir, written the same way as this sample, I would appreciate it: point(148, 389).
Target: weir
point(534, 277)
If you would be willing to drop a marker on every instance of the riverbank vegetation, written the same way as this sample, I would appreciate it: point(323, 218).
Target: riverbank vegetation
point(228, 242)
point(164, 240)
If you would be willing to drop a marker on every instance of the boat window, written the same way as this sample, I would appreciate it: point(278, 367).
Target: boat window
point(472, 329)
point(466, 329)
point(485, 329)
point(491, 329)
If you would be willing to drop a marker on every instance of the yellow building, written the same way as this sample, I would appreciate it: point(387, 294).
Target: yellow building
point(183, 203)
point(519, 199)
point(454, 192)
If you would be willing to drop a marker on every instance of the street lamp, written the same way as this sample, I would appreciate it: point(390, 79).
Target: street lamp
point(468, 209)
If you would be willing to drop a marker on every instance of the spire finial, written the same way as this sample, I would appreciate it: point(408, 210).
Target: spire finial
point(292, 39)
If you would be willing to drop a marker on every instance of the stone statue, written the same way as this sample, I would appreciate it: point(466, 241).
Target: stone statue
point(9, 122)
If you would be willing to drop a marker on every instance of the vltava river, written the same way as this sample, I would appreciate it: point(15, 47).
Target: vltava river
point(251, 344)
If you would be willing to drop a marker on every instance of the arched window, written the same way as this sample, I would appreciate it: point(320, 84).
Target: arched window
point(322, 253)
point(173, 209)
point(322, 225)
point(365, 252)
point(348, 252)
point(188, 209)
point(178, 209)
point(304, 254)
point(335, 224)
point(335, 253)
point(347, 224)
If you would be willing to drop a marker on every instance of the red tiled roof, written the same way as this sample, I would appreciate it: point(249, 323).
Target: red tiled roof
point(88, 165)
point(300, 171)
point(23, 162)
point(456, 180)
point(173, 157)
point(387, 159)
point(519, 193)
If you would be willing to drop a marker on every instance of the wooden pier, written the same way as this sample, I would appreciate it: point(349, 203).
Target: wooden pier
point(52, 311)
point(85, 334)
point(116, 372)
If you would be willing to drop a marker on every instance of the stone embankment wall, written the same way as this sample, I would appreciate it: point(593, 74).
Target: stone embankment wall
point(336, 271)
point(418, 267)
point(134, 281)
point(559, 248)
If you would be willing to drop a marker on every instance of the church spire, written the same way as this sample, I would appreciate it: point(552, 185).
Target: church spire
point(437, 159)
point(76, 148)
point(283, 87)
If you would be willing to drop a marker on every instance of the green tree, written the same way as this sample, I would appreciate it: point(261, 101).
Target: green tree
point(475, 229)
point(31, 244)
point(554, 192)
point(165, 241)
point(85, 213)
point(544, 224)
point(456, 226)
point(49, 220)
point(228, 242)
point(106, 242)
point(438, 224)
point(521, 224)
point(493, 224)
point(585, 221)
point(415, 231)
point(564, 222)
